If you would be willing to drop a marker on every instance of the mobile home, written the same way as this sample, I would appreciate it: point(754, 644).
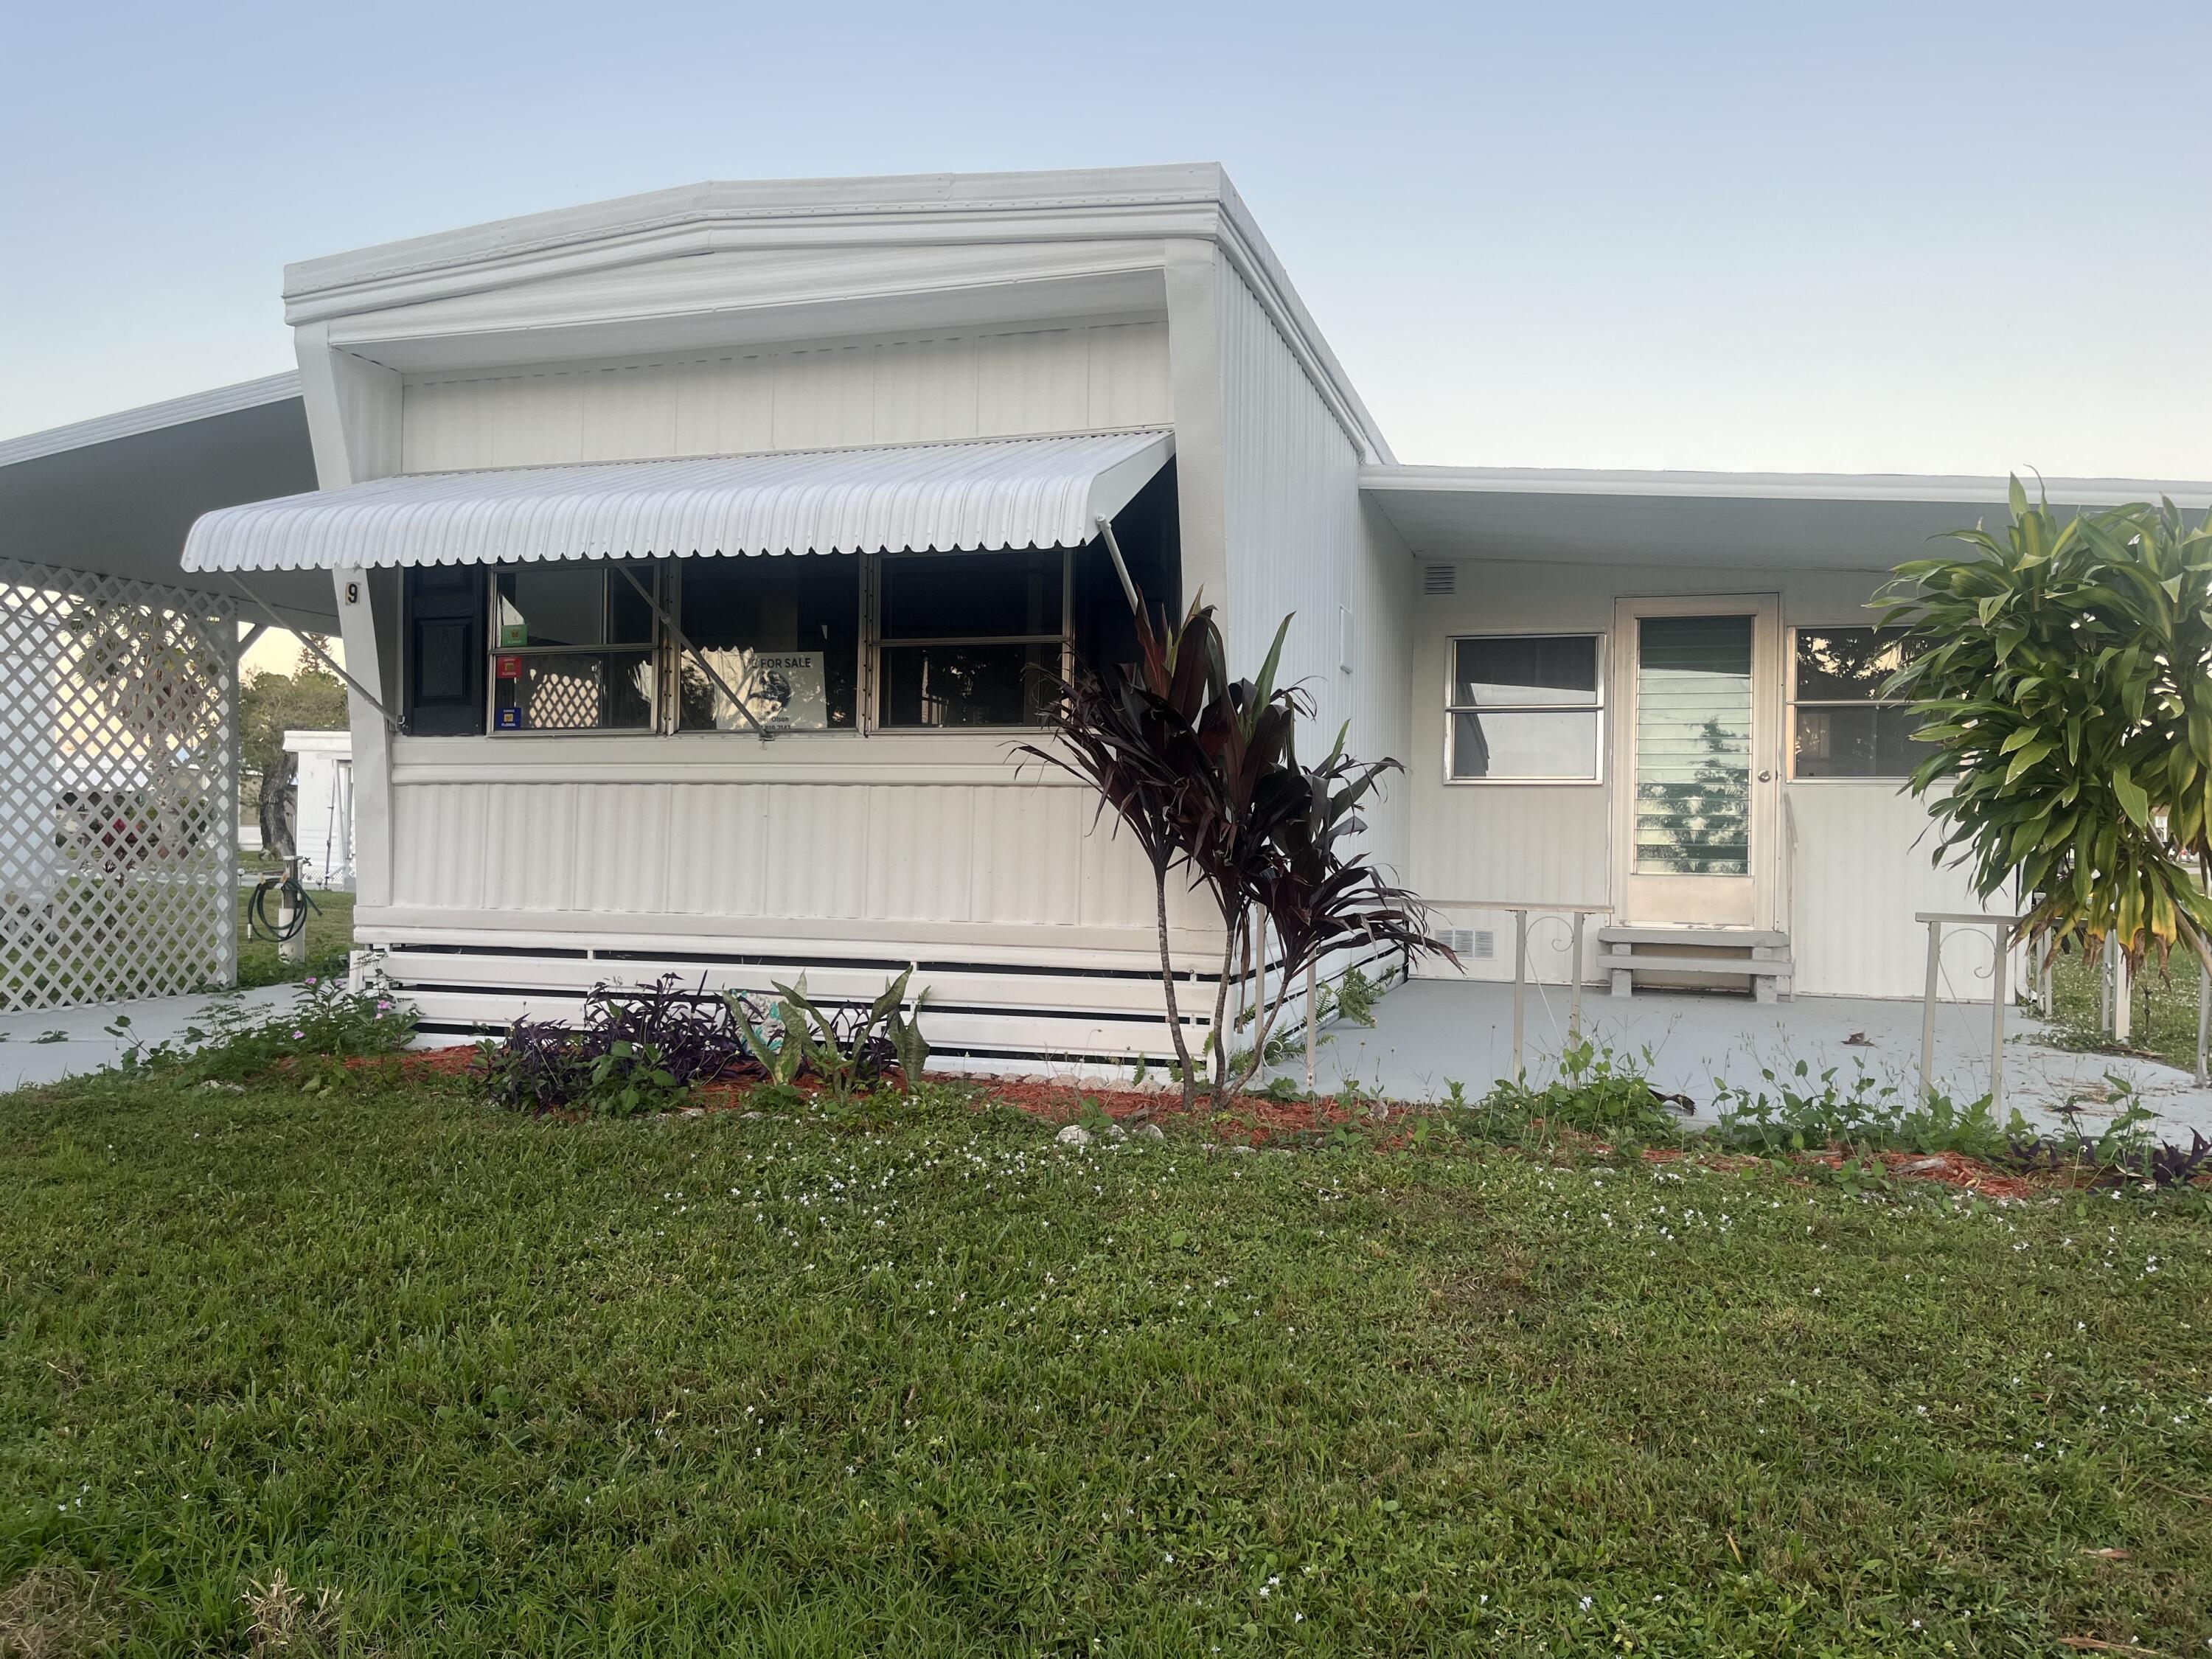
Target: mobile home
point(694, 553)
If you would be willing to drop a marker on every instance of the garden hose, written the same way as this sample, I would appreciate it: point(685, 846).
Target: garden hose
point(262, 923)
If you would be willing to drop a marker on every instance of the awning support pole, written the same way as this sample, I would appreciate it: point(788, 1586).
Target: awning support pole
point(1120, 570)
point(692, 651)
point(253, 633)
point(320, 655)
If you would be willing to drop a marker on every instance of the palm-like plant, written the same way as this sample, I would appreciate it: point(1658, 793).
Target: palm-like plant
point(1203, 772)
point(2063, 672)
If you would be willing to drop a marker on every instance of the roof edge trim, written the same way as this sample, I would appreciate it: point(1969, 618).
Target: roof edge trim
point(1963, 488)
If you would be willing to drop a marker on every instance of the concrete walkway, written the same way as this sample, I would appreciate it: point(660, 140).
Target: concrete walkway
point(46, 1045)
point(1431, 1032)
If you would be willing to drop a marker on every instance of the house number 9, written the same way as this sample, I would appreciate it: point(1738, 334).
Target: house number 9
point(353, 592)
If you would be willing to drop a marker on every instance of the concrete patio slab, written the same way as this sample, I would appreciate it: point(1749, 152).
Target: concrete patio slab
point(1432, 1032)
point(48, 1044)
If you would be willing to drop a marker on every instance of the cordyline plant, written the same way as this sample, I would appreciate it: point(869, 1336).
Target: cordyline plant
point(2063, 672)
point(1203, 772)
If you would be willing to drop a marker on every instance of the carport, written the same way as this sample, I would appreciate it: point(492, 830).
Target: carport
point(118, 691)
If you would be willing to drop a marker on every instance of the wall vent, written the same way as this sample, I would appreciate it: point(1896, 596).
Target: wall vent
point(1470, 944)
point(1442, 578)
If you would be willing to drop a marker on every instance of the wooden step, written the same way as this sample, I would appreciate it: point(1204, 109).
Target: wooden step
point(1779, 967)
point(1700, 936)
point(1757, 956)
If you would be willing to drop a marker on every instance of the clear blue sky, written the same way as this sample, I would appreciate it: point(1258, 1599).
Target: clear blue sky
point(1859, 236)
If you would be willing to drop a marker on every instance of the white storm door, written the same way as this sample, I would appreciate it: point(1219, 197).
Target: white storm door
point(1697, 754)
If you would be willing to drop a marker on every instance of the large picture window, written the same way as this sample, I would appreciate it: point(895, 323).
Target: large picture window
point(1839, 726)
point(572, 649)
point(1526, 708)
point(969, 639)
point(835, 643)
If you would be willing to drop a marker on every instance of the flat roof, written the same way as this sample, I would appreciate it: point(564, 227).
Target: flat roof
point(1713, 521)
point(115, 495)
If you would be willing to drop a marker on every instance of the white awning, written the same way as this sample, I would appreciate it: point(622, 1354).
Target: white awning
point(1014, 492)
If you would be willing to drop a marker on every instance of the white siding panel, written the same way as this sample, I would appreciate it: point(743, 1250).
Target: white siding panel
point(1528, 844)
point(1860, 855)
point(1079, 378)
point(1300, 544)
point(925, 389)
point(1128, 375)
point(844, 852)
point(825, 399)
point(1037, 382)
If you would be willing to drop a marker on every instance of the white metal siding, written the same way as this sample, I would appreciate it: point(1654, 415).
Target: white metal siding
point(902, 853)
point(1093, 377)
point(1300, 543)
point(1859, 859)
point(1854, 877)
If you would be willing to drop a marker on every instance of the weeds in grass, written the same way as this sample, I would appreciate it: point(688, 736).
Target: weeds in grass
point(51, 1612)
point(325, 1021)
point(1595, 1093)
point(1812, 1112)
point(282, 1619)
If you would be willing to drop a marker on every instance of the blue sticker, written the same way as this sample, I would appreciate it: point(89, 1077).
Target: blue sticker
point(509, 719)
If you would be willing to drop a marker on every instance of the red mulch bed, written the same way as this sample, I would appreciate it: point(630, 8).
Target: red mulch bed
point(1950, 1169)
point(1259, 1120)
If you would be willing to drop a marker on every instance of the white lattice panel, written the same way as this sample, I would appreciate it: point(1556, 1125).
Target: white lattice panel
point(119, 789)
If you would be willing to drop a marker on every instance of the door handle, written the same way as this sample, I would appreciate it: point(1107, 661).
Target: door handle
point(1766, 777)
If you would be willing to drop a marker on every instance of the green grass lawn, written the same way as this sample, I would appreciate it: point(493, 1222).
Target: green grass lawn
point(924, 1383)
point(2165, 1007)
point(330, 937)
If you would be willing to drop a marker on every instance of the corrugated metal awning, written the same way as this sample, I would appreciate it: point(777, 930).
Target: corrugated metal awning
point(1014, 492)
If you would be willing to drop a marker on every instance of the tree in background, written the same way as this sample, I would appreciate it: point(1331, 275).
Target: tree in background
point(269, 704)
point(2063, 675)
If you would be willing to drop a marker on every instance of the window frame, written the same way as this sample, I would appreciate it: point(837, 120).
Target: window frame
point(872, 646)
point(1600, 705)
point(666, 655)
point(671, 675)
point(1792, 703)
point(653, 651)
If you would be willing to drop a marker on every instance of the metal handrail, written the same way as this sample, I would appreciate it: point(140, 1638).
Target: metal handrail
point(1521, 913)
point(2000, 984)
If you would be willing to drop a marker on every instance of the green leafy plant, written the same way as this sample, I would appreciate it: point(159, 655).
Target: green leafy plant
point(847, 1047)
point(2063, 675)
point(629, 1078)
